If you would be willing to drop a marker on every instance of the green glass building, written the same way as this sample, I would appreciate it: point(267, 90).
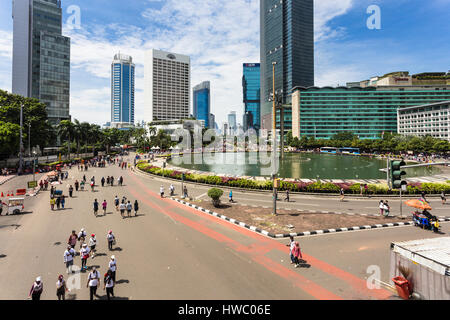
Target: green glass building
point(367, 112)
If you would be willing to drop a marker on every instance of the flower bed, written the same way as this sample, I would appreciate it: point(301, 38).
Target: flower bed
point(312, 187)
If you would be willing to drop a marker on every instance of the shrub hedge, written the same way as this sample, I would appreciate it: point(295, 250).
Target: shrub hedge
point(312, 187)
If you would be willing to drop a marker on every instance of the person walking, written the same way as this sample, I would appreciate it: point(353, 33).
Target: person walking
point(109, 285)
point(107, 180)
point(185, 192)
point(92, 245)
point(136, 208)
point(111, 239)
point(129, 208)
point(52, 203)
point(63, 202)
point(112, 181)
point(172, 190)
point(84, 254)
point(77, 185)
point(92, 186)
point(386, 208)
point(71, 191)
point(73, 238)
point(342, 194)
point(104, 206)
point(161, 192)
point(113, 267)
point(69, 255)
point(93, 282)
point(82, 237)
point(443, 198)
point(287, 196)
point(297, 253)
point(58, 203)
point(381, 206)
point(82, 184)
point(121, 181)
point(61, 288)
point(230, 196)
point(116, 203)
point(103, 181)
point(423, 196)
point(36, 289)
point(122, 208)
point(291, 246)
point(95, 208)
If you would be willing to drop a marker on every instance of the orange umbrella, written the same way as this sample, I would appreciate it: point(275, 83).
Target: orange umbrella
point(419, 204)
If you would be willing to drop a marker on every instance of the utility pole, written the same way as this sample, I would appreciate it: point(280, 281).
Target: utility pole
point(29, 139)
point(21, 142)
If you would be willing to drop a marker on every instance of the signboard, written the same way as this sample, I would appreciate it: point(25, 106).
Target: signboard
point(32, 184)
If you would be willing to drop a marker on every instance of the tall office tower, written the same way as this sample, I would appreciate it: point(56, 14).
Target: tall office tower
point(251, 84)
point(202, 102)
point(122, 90)
point(232, 124)
point(41, 56)
point(167, 86)
point(287, 38)
point(212, 121)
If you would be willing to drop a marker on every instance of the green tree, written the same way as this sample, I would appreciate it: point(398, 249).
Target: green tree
point(66, 130)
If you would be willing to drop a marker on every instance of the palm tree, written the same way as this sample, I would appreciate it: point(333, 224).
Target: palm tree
point(66, 130)
point(78, 130)
point(95, 135)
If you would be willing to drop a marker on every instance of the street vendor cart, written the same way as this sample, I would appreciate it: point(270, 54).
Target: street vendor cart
point(15, 205)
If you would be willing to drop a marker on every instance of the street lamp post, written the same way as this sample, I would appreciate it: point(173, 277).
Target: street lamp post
point(21, 142)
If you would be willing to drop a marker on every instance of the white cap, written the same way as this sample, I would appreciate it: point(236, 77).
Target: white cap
point(113, 257)
point(82, 229)
point(38, 279)
point(84, 245)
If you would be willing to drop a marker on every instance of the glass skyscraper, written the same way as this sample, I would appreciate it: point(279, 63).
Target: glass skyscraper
point(366, 112)
point(287, 38)
point(41, 56)
point(122, 90)
point(202, 103)
point(251, 84)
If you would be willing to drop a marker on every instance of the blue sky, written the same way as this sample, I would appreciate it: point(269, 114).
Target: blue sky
point(221, 35)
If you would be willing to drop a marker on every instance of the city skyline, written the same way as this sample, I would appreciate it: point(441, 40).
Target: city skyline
point(346, 50)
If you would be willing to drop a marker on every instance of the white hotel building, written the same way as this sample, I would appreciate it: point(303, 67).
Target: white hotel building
point(429, 119)
point(167, 86)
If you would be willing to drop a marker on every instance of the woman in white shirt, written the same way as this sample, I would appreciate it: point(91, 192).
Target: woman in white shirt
point(92, 244)
point(84, 253)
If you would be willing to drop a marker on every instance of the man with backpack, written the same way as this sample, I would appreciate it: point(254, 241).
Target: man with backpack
point(93, 282)
point(69, 254)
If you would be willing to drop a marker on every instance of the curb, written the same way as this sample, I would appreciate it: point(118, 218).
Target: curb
point(300, 234)
point(5, 181)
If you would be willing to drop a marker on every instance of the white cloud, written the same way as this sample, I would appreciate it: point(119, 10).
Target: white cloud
point(219, 36)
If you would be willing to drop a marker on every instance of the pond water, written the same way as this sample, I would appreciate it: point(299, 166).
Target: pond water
point(295, 165)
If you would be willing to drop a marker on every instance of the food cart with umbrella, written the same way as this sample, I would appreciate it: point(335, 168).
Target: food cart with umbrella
point(423, 219)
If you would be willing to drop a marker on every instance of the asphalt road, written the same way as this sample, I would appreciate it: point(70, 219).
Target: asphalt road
point(170, 251)
point(304, 202)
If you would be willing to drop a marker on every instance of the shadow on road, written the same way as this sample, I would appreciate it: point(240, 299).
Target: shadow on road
point(122, 281)
point(3, 256)
point(117, 249)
